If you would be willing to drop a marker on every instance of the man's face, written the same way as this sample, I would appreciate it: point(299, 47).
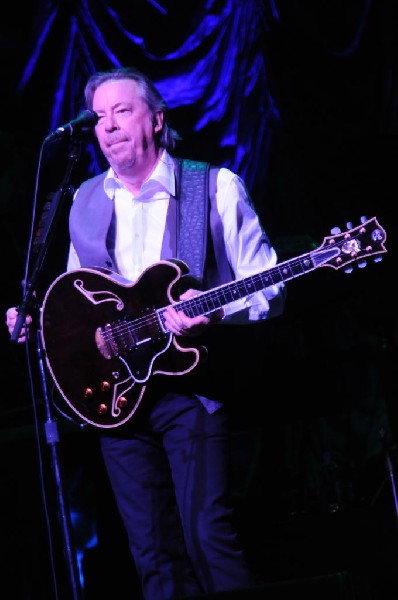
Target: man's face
point(125, 128)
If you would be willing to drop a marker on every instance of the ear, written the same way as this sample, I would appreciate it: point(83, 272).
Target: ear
point(158, 121)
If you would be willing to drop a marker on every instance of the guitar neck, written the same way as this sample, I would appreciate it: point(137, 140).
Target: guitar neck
point(211, 300)
point(337, 251)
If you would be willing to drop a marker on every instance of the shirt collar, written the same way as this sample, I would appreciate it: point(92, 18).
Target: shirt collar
point(162, 177)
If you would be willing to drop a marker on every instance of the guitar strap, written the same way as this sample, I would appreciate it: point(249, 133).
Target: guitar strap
point(192, 214)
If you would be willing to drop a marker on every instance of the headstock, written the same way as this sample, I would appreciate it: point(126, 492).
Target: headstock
point(355, 245)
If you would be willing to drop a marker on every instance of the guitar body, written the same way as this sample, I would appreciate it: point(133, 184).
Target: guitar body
point(104, 389)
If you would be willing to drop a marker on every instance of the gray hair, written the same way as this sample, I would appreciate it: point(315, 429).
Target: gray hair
point(168, 136)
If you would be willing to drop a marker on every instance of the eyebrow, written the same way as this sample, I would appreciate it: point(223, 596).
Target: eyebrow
point(118, 104)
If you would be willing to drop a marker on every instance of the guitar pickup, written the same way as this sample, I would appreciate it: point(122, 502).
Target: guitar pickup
point(114, 340)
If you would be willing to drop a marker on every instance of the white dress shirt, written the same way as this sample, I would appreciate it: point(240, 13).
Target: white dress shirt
point(140, 224)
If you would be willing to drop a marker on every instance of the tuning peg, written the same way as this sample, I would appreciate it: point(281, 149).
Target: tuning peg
point(348, 269)
point(378, 259)
point(362, 264)
point(335, 230)
point(363, 219)
point(349, 225)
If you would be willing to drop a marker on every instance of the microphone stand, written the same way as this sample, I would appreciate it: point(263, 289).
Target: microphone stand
point(390, 471)
point(51, 425)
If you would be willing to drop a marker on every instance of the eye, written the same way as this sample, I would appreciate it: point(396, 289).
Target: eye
point(123, 111)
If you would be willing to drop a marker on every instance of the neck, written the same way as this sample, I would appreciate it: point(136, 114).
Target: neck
point(134, 176)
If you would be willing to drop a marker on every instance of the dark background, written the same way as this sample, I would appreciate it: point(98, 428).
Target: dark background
point(301, 99)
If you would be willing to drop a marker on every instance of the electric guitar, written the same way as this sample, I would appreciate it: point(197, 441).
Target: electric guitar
point(105, 337)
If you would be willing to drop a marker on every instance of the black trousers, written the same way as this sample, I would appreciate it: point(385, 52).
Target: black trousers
point(170, 473)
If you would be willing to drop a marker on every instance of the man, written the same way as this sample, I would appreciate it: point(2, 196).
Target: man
point(168, 466)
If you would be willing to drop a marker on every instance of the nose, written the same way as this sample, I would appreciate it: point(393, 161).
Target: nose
point(110, 122)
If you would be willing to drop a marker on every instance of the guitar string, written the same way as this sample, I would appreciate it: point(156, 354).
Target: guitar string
point(123, 330)
point(211, 299)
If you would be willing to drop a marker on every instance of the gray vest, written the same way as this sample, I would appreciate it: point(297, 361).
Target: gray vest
point(189, 220)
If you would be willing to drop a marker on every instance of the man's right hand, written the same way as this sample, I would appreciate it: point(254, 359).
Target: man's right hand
point(11, 318)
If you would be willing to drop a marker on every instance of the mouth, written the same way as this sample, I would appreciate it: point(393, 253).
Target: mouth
point(114, 142)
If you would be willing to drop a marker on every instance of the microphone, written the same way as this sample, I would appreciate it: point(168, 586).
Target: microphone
point(85, 121)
